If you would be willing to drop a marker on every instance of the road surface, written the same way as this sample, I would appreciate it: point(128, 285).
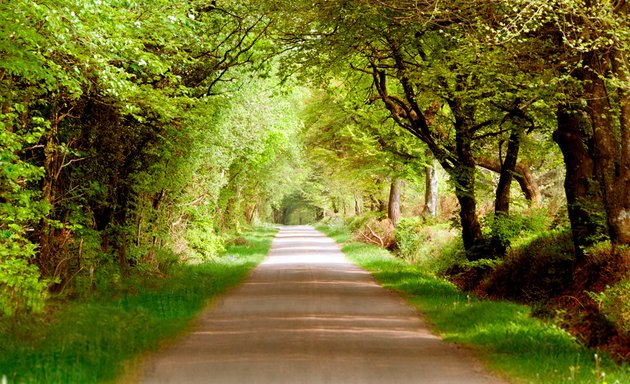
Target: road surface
point(307, 315)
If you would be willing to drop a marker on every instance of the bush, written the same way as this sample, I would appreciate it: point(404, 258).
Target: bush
point(409, 238)
point(614, 303)
point(377, 232)
point(357, 223)
point(426, 244)
point(535, 271)
point(203, 243)
point(612, 288)
point(451, 253)
point(509, 228)
point(333, 222)
point(21, 289)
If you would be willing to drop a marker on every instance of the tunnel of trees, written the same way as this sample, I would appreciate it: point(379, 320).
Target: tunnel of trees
point(135, 129)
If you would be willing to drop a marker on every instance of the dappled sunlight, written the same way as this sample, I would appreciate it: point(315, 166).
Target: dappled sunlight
point(298, 235)
point(323, 332)
point(308, 315)
point(333, 283)
point(310, 258)
point(280, 250)
point(314, 250)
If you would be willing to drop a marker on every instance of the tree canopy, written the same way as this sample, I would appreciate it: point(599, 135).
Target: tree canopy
point(132, 131)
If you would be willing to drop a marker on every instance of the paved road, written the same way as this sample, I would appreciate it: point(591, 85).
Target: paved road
point(307, 315)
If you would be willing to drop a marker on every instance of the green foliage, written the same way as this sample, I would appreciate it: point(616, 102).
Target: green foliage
point(357, 223)
point(612, 294)
point(516, 226)
point(335, 227)
point(351, 147)
point(120, 134)
point(21, 288)
point(425, 244)
point(408, 238)
point(450, 254)
point(204, 244)
point(614, 302)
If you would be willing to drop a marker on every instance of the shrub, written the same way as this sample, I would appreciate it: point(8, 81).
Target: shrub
point(535, 271)
point(203, 243)
point(21, 289)
point(612, 290)
point(408, 237)
point(334, 222)
point(426, 244)
point(357, 223)
point(514, 227)
point(614, 302)
point(451, 253)
point(377, 232)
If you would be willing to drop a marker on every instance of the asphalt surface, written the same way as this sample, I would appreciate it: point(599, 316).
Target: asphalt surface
point(307, 315)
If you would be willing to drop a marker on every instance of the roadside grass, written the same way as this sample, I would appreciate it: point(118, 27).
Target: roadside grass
point(504, 335)
point(89, 340)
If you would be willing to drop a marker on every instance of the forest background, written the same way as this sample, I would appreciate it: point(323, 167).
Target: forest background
point(487, 141)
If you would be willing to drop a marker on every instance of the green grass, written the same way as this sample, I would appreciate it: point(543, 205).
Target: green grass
point(90, 340)
point(504, 335)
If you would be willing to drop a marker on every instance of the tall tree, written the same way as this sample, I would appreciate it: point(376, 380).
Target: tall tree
point(587, 45)
point(96, 97)
point(431, 190)
point(434, 79)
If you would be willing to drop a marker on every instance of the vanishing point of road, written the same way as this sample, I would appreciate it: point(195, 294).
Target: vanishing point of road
point(308, 315)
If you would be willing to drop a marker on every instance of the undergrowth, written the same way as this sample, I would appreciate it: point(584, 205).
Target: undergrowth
point(87, 340)
point(505, 335)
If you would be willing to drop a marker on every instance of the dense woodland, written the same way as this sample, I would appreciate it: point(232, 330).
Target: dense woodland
point(137, 134)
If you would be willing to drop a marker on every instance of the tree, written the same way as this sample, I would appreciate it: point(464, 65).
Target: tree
point(393, 205)
point(266, 163)
point(587, 46)
point(431, 190)
point(358, 147)
point(429, 72)
point(100, 105)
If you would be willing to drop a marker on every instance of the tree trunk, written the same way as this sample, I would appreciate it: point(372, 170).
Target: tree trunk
point(376, 205)
point(320, 213)
point(393, 207)
point(502, 200)
point(46, 259)
point(464, 176)
point(123, 260)
point(610, 155)
point(358, 206)
point(522, 174)
point(621, 222)
point(373, 203)
point(471, 229)
point(584, 200)
point(250, 213)
point(498, 243)
point(334, 205)
point(431, 190)
point(617, 195)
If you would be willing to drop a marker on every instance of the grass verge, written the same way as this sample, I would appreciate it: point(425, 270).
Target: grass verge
point(504, 335)
point(88, 341)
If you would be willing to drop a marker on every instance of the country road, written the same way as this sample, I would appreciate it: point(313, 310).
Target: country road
point(307, 315)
